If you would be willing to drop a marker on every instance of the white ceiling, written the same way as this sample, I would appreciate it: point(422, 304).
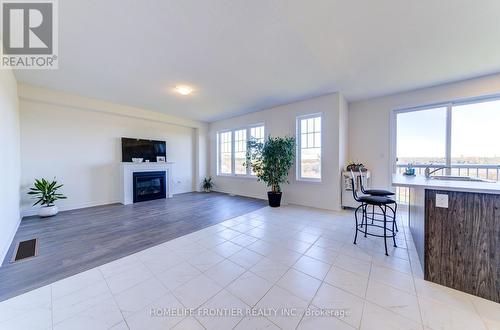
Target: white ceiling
point(247, 55)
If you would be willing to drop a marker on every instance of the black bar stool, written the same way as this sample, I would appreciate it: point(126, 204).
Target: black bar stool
point(377, 192)
point(382, 202)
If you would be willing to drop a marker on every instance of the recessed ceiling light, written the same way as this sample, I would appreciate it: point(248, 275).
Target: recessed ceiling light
point(183, 89)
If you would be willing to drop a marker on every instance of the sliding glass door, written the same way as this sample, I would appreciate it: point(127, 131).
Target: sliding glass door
point(463, 136)
point(421, 136)
point(475, 139)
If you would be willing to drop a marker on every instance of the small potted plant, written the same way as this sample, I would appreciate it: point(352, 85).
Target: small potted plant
point(271, 161)
point(207, 184)
point(352, 166)
point(45, 192)
point(410, 170)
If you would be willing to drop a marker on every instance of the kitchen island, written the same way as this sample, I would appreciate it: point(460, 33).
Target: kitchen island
point(455, 226)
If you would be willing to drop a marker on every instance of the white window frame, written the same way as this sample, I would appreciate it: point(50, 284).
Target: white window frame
point(233, 155)
point(219, 153)
point(449, 106)
point(298, 176)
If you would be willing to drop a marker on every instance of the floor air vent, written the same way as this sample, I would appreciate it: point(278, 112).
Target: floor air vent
point(26, 249)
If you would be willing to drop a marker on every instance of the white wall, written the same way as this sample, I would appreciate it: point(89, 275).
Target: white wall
point(280, 121)
point(201, 155)
point(369, 120)
point(78, 142)
point(343, 134)
point(9, 160)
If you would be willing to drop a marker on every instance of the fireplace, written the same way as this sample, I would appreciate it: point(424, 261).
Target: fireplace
point(149, 186)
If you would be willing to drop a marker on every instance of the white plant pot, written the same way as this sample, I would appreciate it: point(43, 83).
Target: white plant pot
point(47, 211)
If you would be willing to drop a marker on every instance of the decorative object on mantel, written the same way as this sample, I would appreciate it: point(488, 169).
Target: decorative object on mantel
point(271, 161)
point(161, 159)
point(355, 167)
point(137, 160)
point(46, 194)
point(207, 184)
point(410, 170)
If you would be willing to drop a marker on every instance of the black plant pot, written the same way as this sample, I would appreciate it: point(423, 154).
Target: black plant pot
point(274, 198)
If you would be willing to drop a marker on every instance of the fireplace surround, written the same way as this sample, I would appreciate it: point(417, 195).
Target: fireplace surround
point(127, 171)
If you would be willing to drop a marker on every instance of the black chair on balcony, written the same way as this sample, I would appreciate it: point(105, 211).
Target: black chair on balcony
point(377, 192)
point(381, 202)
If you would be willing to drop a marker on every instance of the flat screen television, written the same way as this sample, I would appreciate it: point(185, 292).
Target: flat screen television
point(146, 149)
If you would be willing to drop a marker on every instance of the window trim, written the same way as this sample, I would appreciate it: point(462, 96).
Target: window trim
point(233, 162)
point(298, 157)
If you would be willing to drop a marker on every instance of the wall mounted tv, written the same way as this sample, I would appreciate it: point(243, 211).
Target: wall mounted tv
point(146, 149)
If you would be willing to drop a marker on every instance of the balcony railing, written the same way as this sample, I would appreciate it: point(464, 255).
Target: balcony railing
point(483, 171)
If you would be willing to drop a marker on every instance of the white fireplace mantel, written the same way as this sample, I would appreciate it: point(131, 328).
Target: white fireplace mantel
point(126, 178)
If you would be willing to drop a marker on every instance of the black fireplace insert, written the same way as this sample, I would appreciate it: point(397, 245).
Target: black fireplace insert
point(149, 186)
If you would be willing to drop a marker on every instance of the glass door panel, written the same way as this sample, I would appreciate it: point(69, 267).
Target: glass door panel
point(421, 137)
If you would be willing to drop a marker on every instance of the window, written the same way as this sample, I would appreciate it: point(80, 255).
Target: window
point(421, 136)
point(225, 152)
point(461, 135)
point(258, 134)
point(309, 147)
point(475, 135)
point(240, 151)
point(232, 150)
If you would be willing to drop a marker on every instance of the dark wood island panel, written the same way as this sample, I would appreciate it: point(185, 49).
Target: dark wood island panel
point(462, 248)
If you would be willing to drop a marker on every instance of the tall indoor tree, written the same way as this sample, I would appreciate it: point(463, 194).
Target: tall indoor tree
point(271, 161)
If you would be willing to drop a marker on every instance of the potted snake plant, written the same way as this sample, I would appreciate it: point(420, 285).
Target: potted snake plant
point(45, 193)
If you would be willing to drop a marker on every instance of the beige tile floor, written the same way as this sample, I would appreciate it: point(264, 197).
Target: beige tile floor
point(286, 268)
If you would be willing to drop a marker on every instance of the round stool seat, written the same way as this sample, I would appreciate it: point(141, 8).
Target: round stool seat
point(379, 192)
point(376, 200)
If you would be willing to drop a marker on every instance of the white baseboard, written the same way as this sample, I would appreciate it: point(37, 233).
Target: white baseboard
point(257, 196)
point(33, 210)
point(285, 201)
point(321, 207)
point(9, 242)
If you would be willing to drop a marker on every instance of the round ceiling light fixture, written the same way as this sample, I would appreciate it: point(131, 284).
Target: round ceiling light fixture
point(183, 90)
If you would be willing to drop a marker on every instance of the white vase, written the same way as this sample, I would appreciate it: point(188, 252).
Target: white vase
point(47, 211)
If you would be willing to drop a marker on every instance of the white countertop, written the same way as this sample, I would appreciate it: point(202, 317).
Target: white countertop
point(399, 180)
